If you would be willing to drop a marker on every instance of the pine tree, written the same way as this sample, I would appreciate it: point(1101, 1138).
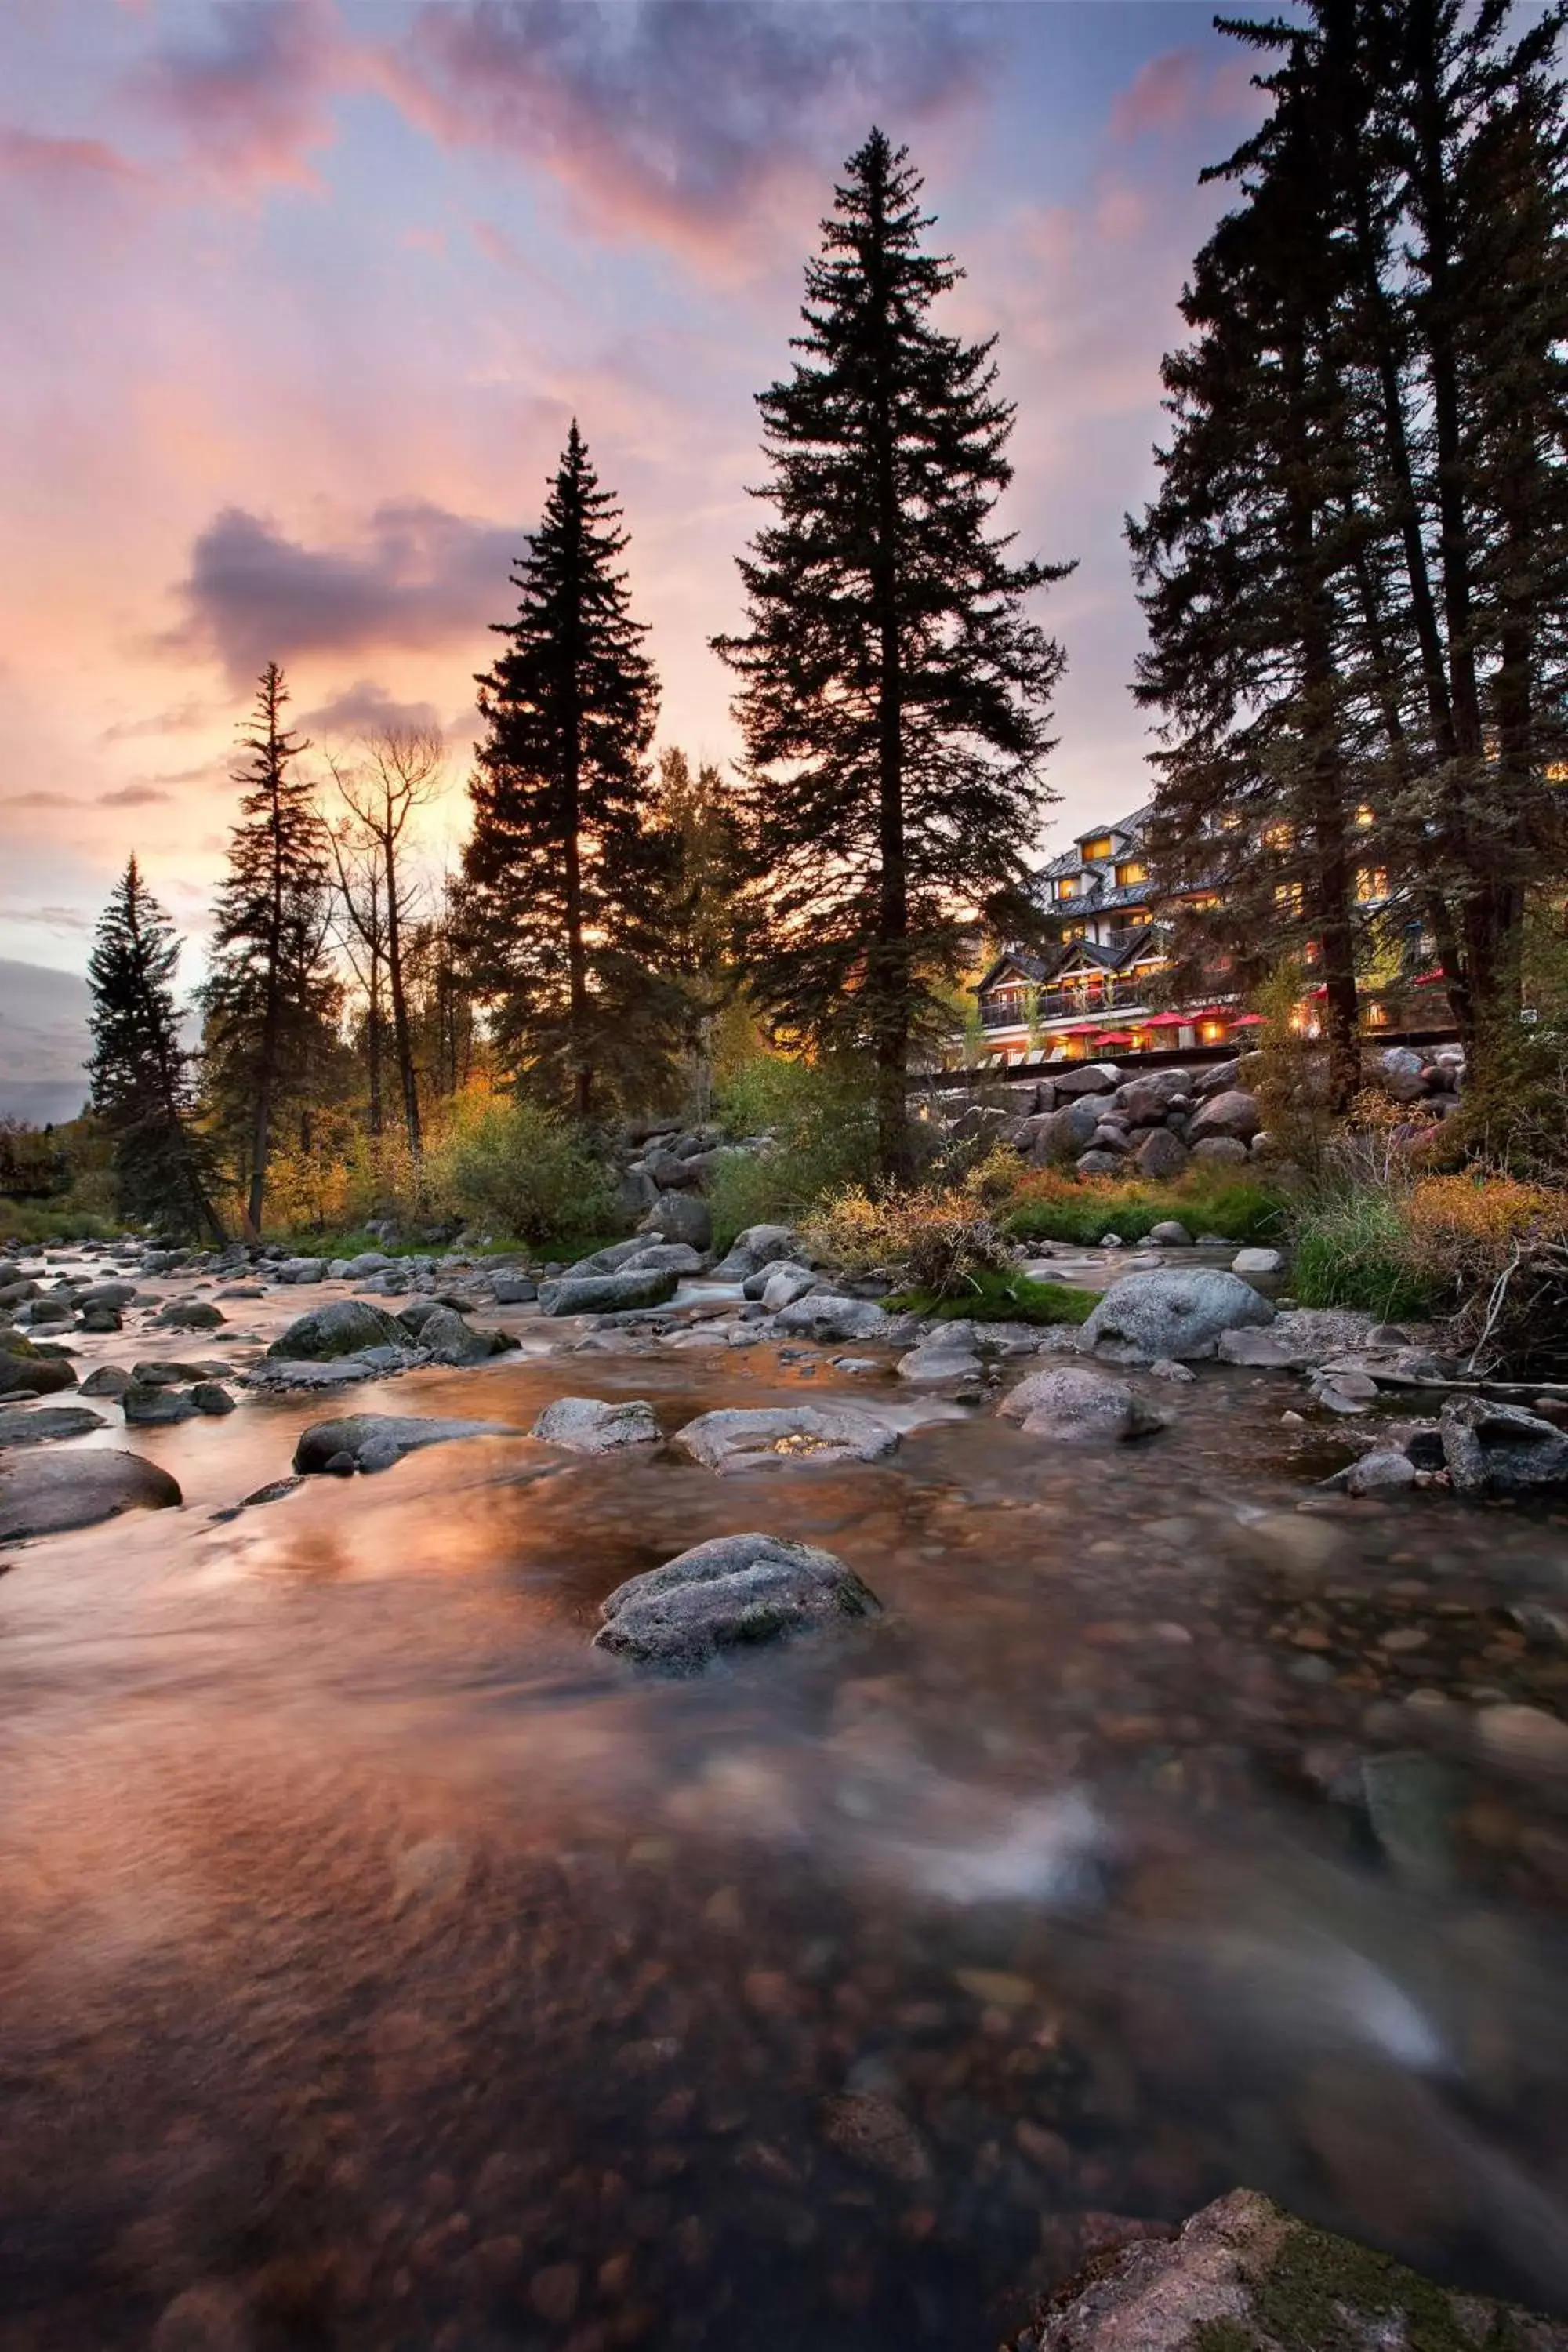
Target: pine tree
point(142, 1087)
point(698, 818)
point(564, 870)
point(894, 698)
point(271, 998)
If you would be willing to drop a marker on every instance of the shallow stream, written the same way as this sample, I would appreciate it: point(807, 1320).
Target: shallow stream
point(380, 1966)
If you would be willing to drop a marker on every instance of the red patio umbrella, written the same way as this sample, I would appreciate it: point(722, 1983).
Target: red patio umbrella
point(1168, 1019)
point(1117, 1037)
point(1247, 1020)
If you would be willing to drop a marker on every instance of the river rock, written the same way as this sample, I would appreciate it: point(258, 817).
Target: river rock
point(37, 1425)
point(1246, 2276)
point(278, 1374)
point(1298, 1338)
point(1218, 1151)
point(189, 1315)
point(1160, 1155)
point(733, 1591)
point(343, 1326)
point(368, 1262)
point(940, 1359)
point(586, 1425)
point(449, 1340)
point(514, 1290)
point(299, 1269)
point(1500, 1449)
point(1170, 1233)
point(1381, 1472)
point(735, 1439)
point(1233, 1114)
point(681, 1217)
point(22, 1366)
point(1077, 1407)
point(1402, 1073)
point(757, 1246)
point(607, 1293)
point(669, 1257)
point(160, 1372)
point(374, 1440)
point(785, 1285)
point(150, 1408)
point(1176, 1311)
point(828, 1314)
point(42, 1493)
point(1264, 1268)
point(101, 1321)
point(211, 1398)
point(108, 1381)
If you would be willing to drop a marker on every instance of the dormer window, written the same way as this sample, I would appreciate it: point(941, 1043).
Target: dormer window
point(1130, 873)
point(1098, 844)
point(1068, 888)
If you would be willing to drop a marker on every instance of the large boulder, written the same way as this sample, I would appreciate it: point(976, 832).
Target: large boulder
point(374, 1440)
point(152, 1408)
point(607, 1293)
point(299, 1269)
point(669, 1257)
point(344, 1326)
point(754, 1286)
point(785, 1285)
point(1402, 1073)
point(827, 1315)
point(190, 1315)
point(1246, 2276)
point(732, 1592)
point(277, 1375)
point(1160, 1155)
point(1217, 1152)
point(1075, 1078)
point(23, 1424)
point(1058, 1136)
point(43, 1493)
point(681, 1217)
point(447, 1339)
point(1233, 1114)
point(107, 1294)
point(587, 1425)
point(1144, 1101)
point(1077, 1408)
point(757, 1246)
point(784, 1436)
point(1178, 1312)
point(1500, 1449)
point(22, 1366)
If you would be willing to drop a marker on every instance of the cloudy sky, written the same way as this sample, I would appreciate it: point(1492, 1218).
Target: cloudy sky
point(302, 294)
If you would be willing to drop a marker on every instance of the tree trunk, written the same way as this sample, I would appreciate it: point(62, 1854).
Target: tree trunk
point(403, 1041)
point(373, 1041)
point(888, 970)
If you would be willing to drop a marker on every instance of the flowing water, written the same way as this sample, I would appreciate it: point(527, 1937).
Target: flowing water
point(380, 1966)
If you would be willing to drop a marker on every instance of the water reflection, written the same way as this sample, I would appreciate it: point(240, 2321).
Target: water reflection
point(380, 1966)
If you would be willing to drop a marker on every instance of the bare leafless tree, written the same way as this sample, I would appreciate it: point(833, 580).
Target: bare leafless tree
point(400, 771)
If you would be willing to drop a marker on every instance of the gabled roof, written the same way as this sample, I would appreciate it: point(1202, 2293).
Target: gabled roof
point(1030, 969)
point(1126, 833)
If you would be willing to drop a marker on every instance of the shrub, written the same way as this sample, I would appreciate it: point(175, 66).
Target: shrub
point(517, 1169)
point(820, 1117)
point(1495, 1251)
point(993, 1297)
point(33, 1223)
point(1047, 1204)
point(940, 1241)
point(1354, 1250)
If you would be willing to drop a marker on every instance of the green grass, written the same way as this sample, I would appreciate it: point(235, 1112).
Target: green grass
point(998, 1298)
point(1240, 1210)
point(1356, 1252)
point(568, 1246)
point(27, 1223)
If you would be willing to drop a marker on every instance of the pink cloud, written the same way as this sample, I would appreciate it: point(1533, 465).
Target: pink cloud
point(676, 122)
point(1164, 92)
point(29, 155)
point(250, 103)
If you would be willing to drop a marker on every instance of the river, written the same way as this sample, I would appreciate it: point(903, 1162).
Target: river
point(380, 1966)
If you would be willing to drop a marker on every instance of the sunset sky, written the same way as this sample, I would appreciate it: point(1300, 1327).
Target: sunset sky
point(301, 297)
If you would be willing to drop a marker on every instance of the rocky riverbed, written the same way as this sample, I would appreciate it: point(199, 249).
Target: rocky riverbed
point(383, 1963)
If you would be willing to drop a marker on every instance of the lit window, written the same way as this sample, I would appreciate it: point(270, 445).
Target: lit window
point(1212, 1032)
point(1371, 884)
point(1136, 917)
point(1377, 1016)
point(1067, 889)
point(1097, 846)
point(1279, 836)
point(1288, 897)
point(1131, 872)
point(1203, 899)
point(1364, 818)
point(1072, 931)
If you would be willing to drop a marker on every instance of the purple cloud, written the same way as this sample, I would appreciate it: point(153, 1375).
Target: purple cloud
point(250, 100)
point(418, 575)
point(131, 797)
point(674, 115)
point(366, 706)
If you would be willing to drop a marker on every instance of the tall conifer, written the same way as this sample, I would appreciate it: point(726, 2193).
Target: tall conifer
point(563, 867)
point(894, 696)
point(271, 997)
point(142, 1087)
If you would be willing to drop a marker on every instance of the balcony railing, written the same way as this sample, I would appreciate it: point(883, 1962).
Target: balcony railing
point(1062, 1004)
